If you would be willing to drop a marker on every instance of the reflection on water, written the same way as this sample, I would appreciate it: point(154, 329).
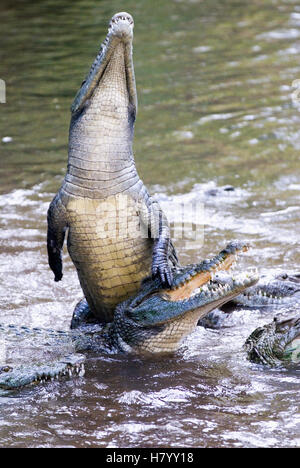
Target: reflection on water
point(214, 84)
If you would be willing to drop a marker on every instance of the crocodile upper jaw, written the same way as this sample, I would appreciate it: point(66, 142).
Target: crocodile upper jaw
point(118, 42)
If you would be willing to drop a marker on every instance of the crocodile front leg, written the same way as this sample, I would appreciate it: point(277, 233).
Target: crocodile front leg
point(164, 255)
point(82, 315)
point(161, 248)
point(57, 226)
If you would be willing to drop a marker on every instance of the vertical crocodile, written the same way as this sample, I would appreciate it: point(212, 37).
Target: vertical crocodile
point(117, 234)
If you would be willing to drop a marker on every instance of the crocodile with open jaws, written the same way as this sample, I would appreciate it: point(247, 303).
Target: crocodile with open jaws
point(155, 320)
point(274, 344)
point(117, 233)
point(272, 291)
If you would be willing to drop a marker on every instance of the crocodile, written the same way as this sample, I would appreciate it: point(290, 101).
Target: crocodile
point(117, 233)
point(272, 292)
point(155, 320)
point(276, 344)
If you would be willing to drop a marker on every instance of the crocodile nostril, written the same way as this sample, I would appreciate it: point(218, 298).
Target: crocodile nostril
point(118, 19)
point(122, 16)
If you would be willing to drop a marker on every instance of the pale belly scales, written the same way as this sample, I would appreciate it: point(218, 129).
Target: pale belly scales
point(111, 251)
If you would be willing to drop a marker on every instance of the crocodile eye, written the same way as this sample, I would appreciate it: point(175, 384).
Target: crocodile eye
point(5, 369)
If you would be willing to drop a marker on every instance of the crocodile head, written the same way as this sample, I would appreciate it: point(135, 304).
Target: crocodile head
point(110, 83)
point(157, 319)
point(34, 355)
point(271, 291)
point(275, 344)
point(16, 376)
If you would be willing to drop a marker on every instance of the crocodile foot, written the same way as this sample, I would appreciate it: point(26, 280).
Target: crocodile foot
point(82, 315)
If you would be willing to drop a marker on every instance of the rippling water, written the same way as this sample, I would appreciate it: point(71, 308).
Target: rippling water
point(215, 108)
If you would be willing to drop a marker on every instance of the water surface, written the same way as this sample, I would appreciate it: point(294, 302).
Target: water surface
point(215, 108)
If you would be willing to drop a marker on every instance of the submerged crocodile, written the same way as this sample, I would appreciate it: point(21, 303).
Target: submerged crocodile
point(117, 233)
point(155, 320)
point(276, 343)
point(272, 291)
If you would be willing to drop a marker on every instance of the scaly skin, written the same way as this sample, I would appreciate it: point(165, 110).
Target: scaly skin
point(12, 378)
point(117, 234)
point(29, 355)
point(272, 292)
point(155, 320)
point(275, 344)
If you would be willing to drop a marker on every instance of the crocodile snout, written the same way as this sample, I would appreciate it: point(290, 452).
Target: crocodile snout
point(121, 25)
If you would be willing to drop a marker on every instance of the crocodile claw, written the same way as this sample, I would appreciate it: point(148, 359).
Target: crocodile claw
point(163, 271)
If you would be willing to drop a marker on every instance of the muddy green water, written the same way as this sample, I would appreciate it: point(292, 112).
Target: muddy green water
point(216, 107)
